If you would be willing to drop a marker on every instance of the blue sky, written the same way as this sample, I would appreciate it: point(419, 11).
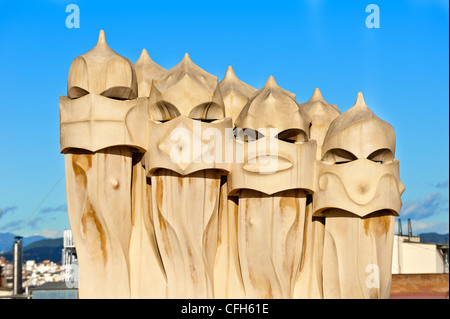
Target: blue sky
point(401, 68)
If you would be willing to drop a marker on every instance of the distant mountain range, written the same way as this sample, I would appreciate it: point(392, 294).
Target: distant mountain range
point(434, 238)
point(40, 248)
point(36, 248)
point(7, 241)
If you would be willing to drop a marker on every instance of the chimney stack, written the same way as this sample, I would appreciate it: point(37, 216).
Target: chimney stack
point(2, 277)
point(17, 262)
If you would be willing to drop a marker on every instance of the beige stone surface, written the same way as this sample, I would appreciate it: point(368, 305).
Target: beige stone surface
point(185, 163)
point(192, 91)
point(270, 240)
point(185, 146)
point(272, 183)
point(272, 137)
point(99, 205)
point(263, 111)
point(227, 270)
point(104, 72)
point(185, 215)
point(94, 122)
point(361, 134)
point(321, 114)
point(166, 200)
point(309, 281)
point(146, 72)
point(235, 93)
point(358, 192)
point(357, 255)
point(271, 166)
point(147, 273)
point(358, 172)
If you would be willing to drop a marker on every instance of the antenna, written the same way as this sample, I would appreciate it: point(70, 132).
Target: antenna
point(410, 233)
point(400, 227)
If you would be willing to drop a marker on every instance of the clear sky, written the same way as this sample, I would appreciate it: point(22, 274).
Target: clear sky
point(402, 68)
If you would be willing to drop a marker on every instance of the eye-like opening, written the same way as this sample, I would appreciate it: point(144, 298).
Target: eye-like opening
point(338, 156)
point(205, 120)
point(247, 135)
point(163, 111)
point(207, 111)
point(76, 92)
point(381, 156)
point(292, 136)
point(120, 93)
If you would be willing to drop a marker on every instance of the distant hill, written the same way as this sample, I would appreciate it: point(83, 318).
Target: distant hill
point(7, 241)
point(44, 249)
point(434, 238)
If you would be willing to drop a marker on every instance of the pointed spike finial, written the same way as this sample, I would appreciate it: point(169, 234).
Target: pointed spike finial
point(230, 70)
point(271, 85)
point(186, 62)
point(271, 82)
point(144, 57)
point(360, 100)
point(317, 95)
point(144, 52)
point(101, 37)
point(230, 73)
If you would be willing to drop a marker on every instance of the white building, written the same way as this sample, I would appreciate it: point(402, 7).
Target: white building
point(69, 254)
point(29, 265)
point(410, 256)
